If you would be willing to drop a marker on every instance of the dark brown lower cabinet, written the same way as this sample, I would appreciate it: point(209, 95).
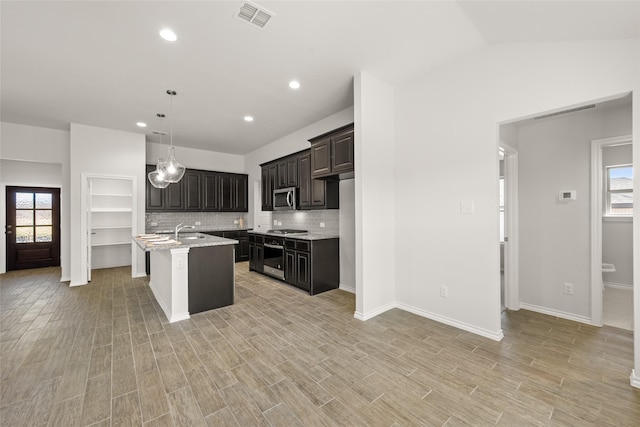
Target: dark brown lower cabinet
point(241, 248)
point(312, 265)
point(256, 253)
point(211, 278)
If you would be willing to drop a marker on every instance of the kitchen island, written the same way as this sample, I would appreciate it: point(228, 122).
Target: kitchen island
point(191, 274)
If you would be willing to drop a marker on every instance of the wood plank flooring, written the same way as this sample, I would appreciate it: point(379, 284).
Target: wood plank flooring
point(103, 354)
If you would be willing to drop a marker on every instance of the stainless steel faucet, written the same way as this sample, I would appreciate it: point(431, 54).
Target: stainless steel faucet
point(180, 227)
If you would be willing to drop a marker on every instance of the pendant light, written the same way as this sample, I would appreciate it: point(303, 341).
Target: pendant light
point(157, 177)
point(171, 169)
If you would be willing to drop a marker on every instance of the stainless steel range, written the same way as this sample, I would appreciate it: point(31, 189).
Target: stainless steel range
point(274, 252)
point(286, 231)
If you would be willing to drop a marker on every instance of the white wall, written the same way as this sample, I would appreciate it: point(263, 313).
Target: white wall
point(555, 245)
point(445, 149)
point(196, 159)
point(617, 235)
point(43, 156)
point(107, 152)
point(375, 210)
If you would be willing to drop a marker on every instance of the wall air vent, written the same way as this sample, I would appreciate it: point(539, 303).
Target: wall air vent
point(571, 110)
point(254, 14)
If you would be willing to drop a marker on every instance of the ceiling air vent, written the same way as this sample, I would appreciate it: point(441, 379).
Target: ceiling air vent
point(571, 110)
point(254, 14)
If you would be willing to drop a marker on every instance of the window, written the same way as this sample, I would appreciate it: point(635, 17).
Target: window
point(34, 217)
point(619, 187)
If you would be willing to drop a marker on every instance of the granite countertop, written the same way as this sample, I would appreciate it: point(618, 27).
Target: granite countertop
point(302, 236)
point(185, 240)
point(198, 229)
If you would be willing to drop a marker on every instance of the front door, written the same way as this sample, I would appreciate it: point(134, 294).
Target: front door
point(33, 227)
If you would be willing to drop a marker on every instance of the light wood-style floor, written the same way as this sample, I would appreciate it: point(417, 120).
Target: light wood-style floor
point(104, 355)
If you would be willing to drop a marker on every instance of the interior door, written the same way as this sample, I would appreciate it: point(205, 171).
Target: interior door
point(33, 227)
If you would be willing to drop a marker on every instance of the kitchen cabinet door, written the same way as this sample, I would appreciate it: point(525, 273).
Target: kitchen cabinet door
point(342, 149)
point(193, 190)
point(240, 193)
point(303, 270)
point(225, 192)
point(269, 182)
point(321, 158)
point(304, 191)
point(175, 197)
point(210, 198)
point(290, 267)
point(282, 174)
point(154, 196)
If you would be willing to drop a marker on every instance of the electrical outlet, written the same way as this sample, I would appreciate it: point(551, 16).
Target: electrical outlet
point(444, 291)
point(180, 263)
point(322, 225)
point(154, 224)
point(568, 288)
point(235, 221)
point(279, 222)
point(198, 223)
point(275, 222)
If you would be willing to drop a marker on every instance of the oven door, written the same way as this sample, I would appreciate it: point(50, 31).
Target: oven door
point(274, 259)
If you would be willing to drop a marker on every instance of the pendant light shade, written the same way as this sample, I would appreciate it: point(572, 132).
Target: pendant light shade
point(173, 170)
point(157, 178)
point(167, 171)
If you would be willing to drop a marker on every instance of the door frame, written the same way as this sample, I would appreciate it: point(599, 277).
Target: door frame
point(597, 205)
point(56, 214)
point(511, 215)
point(85, 222)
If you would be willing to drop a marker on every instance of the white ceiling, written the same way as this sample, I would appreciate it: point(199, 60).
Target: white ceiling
point(103, 63)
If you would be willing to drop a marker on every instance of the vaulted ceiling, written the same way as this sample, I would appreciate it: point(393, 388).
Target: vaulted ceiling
point(104, 63)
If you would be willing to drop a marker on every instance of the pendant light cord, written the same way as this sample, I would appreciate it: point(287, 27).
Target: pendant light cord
point(171, 94)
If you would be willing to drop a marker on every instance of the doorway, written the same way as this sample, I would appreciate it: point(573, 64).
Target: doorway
point(611, 231)
point(33, 227)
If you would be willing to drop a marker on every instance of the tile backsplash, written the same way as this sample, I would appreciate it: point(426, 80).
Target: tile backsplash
point(305, 220)
point(309, 220)
point(155, 221)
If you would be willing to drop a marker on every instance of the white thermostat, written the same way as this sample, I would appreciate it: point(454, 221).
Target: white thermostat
point(567, 195)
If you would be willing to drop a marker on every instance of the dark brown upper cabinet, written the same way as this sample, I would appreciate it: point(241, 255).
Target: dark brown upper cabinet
point(199, 191)
point(211, 201)
point(193, 190)
point(288, 172)
point(269, 183)
point(332, 154)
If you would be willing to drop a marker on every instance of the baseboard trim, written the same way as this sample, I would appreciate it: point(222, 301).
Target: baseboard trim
point(621, 286)
point(494, 335)
point(557, 313)
point(347, 288)
point(138, 275)
point(374, 313)
point(65, 279)
point(74, 284)
point(634, 379)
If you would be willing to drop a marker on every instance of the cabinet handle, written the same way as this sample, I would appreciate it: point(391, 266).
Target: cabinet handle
point(289, 195)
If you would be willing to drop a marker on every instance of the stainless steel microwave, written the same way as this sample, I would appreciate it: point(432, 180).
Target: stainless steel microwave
point(284, 199)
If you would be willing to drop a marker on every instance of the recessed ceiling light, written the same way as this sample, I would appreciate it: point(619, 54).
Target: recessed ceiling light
point(248, 118)
point(141, 125)
point(294, 84)
point(168, 35)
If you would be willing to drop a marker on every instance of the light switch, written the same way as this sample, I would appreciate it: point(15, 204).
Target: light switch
point(467, 208)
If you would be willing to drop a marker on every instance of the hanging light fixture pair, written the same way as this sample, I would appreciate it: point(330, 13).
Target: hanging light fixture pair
point(167, 171)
